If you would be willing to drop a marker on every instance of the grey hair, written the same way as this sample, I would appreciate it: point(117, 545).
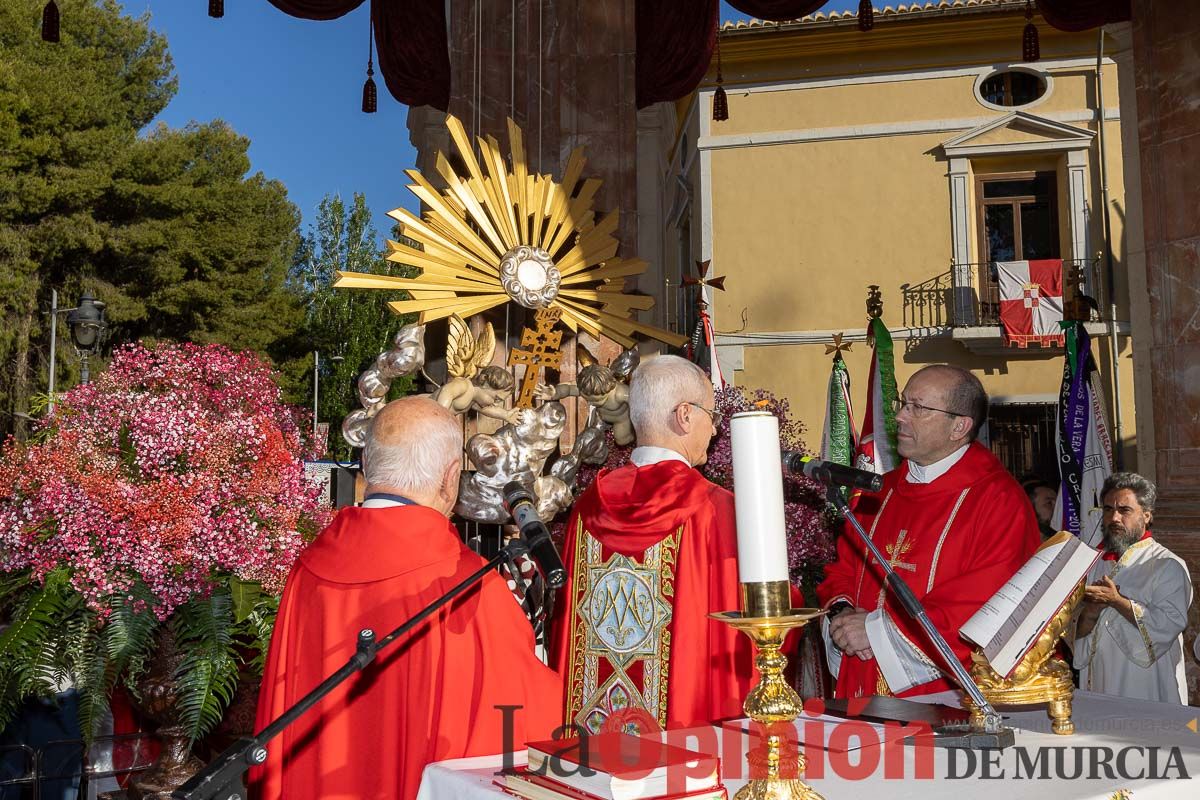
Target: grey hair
point(1143, 489)
point(966, 397)
point(658, 386)
point(415, 462)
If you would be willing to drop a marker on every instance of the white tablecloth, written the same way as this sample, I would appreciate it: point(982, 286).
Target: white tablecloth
point(1145, 732)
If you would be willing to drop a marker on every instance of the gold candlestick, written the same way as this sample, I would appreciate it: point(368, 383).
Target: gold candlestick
point(767, 620)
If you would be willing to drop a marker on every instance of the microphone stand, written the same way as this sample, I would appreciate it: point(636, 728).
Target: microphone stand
point(222, 778)
point(993, 723)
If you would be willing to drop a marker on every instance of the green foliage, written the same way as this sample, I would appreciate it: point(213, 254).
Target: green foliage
point(207, 677)
point(349, 328)
point(166, 226)
point(55, 638)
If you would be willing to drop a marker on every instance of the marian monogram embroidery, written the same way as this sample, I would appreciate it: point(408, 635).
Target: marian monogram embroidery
point(620, 639)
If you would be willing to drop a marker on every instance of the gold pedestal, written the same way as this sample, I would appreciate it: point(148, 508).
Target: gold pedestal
point(1041, 677)
point(772, 700)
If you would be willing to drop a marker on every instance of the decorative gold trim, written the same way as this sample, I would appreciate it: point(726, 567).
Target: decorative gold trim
point(862, 566)
point(937, 553)
point(1138, 613)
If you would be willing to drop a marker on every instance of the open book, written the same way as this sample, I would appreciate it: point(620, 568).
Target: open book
point(1007, 625)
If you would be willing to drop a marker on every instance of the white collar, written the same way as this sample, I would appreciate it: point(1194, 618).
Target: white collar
point(931, 472)
point(646, 455)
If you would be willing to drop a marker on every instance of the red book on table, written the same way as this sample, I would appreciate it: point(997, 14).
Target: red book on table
point(617, 766)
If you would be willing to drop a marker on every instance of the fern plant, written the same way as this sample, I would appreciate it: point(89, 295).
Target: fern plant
point(166, 496)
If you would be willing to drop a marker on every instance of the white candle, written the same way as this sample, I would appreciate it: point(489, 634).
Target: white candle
point(758, 497)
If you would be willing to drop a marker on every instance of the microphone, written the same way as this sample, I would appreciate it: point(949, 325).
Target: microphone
point(831, 472)
point(520, 503)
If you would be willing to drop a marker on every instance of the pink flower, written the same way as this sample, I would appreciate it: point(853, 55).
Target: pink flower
point(176, 468)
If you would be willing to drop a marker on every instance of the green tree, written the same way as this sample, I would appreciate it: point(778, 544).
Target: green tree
point(165, 226)
point(349, 328)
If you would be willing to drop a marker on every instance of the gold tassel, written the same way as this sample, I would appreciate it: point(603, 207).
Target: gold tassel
point(1031, 49)
point(50, 22)
point(216, 8)
point(720, 105)
point(866, 15)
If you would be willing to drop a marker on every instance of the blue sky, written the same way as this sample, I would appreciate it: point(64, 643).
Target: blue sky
point(294, 88)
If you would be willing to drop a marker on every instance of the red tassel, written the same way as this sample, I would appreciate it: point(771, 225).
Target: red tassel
point(216, 8)
point(370, 100)
point(50, 22)
point(720, 105)
point(1031, 49)
point(866, 15)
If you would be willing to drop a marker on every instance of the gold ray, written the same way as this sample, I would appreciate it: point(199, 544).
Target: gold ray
point(539, 207)
point(562, 195)
point(589, 323)
point(579, 212)
point(593, 246)
point(629, 326)
point(363, 280)
point(465, 236)
point(619, 299)
point(463, 144)
point(431, 265)
point(427, 235)
point(437, 308)
point(611, 269)
point(516, 147)
point(464, 196)
point(500, 179)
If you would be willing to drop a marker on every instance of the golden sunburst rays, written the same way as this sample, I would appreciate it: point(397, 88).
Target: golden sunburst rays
point(493, 236)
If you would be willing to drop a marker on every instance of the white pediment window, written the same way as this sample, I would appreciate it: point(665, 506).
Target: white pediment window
point(1017, 184)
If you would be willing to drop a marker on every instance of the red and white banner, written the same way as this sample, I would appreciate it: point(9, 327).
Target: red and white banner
point(1031, 301)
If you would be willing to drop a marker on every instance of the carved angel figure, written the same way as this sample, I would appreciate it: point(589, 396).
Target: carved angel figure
point(600, 387)
point(515, 452)
point(473, 384)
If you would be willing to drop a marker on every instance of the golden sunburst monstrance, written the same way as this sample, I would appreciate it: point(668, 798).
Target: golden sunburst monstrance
point(494, 236)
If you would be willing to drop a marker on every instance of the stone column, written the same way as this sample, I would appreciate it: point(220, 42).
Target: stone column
point(1167, 80)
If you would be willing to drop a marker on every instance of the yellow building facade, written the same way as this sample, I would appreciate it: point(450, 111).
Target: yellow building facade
point(909, 157)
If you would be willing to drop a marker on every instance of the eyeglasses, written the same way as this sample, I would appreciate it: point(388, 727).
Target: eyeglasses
point(713, 414)
point(918, 410)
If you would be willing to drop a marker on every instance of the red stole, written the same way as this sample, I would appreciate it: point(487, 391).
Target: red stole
point(427, 698)
point(654, 548)
point(955, 541)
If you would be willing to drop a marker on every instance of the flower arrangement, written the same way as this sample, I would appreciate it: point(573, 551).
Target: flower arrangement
point(810, 536)
point(169, 493)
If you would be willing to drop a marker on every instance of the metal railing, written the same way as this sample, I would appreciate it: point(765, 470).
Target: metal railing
point(68, 769)
point(975, 292)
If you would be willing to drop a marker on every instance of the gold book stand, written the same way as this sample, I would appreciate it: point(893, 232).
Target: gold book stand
point(1041, 677)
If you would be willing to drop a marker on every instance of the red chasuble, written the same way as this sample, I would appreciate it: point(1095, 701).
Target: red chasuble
point(428, 697)
point(650, 551)
point(955, 541)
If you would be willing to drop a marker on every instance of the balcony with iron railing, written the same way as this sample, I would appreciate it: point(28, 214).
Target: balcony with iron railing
point(966, 299)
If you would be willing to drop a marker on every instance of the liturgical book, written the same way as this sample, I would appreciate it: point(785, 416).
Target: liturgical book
point(617, 766)
point(1007, 626)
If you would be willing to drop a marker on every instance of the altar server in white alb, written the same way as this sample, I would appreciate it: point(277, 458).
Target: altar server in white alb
point(1129, 634)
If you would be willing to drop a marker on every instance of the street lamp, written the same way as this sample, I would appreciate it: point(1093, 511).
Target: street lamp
point(317, 384)
point(88, 329)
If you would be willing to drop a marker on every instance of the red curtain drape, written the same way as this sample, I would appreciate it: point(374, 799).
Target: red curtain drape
point(410, 39)
point(675, 40)
point(1079, 15)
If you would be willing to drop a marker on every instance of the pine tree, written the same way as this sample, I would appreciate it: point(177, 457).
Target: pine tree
point(167, 228)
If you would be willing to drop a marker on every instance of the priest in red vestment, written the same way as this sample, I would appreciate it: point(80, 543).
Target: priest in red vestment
point(651, 549)
point(434, 694)
point(953, 524)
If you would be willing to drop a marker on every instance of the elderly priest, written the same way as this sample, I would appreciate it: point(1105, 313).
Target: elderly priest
point(437, 694)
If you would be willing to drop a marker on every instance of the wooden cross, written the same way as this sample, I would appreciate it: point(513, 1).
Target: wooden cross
point(541, 345)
